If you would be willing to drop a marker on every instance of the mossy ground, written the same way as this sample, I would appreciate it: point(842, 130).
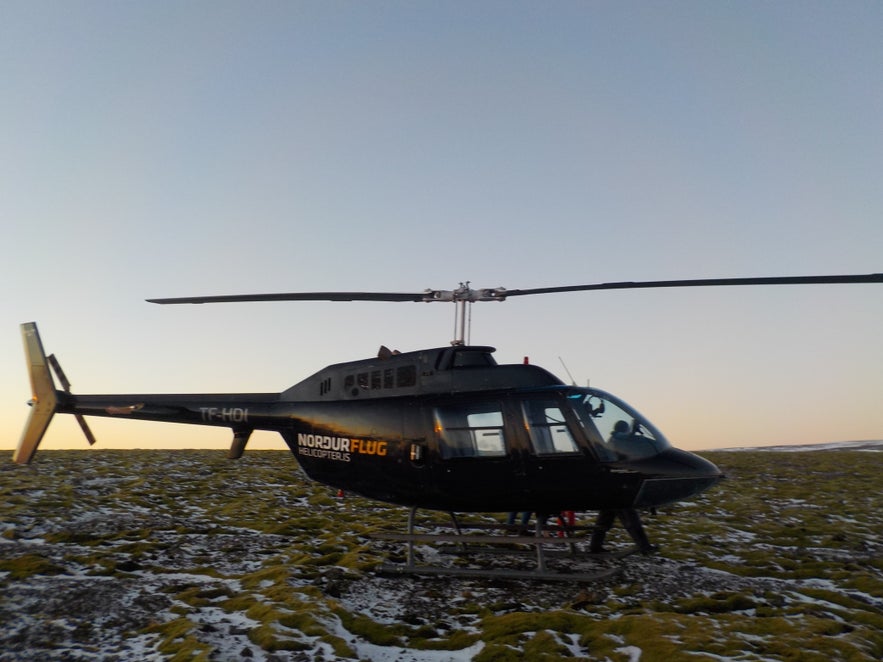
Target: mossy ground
point(184, 555)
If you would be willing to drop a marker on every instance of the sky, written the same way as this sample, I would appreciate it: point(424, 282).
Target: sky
point(160, 149)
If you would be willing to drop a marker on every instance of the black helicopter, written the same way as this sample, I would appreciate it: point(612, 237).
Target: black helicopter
point(443, 429)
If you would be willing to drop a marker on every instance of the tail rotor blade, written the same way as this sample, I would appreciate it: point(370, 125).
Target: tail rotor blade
point(66, 385)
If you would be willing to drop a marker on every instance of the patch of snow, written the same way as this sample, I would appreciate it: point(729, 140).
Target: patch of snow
point(228, 633)
point(571, 642)
point(633, 652)
point(376, 653)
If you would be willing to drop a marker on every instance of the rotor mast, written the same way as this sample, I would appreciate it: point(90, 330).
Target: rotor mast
point(461, 296)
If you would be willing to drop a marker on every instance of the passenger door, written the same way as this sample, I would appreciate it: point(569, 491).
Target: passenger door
point(477, 465)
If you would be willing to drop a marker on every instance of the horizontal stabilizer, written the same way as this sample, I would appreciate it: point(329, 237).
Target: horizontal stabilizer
point(44, 400)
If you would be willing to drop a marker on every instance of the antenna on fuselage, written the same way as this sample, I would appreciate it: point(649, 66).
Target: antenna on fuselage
point(564, 365)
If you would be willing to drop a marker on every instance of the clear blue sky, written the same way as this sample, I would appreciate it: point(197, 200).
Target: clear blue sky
point(167, 149)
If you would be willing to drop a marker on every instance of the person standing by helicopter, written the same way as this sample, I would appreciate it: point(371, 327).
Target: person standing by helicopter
point(525, 520)
point(623, 439)
point(631, 522)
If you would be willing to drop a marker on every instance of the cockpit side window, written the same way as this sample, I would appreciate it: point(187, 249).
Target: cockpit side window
point(547, 428)
point(470, 430)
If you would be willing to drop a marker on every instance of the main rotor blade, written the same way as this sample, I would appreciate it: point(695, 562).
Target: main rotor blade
point(465, 294)
point(298, 296)
point(705, 282)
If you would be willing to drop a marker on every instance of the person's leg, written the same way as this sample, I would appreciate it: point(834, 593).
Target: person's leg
point(631, 520)
point(602, 526)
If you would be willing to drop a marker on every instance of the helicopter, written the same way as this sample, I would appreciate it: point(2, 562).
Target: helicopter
point(441, 429)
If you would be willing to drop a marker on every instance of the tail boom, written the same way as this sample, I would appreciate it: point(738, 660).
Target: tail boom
point(241, 412)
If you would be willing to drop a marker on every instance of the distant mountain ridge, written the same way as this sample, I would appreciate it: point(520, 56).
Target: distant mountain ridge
point(875, 445)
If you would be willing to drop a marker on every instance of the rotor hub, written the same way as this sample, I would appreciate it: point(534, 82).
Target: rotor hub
point(465, 294)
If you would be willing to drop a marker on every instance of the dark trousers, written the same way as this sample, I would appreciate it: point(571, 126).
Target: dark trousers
point(631, 521)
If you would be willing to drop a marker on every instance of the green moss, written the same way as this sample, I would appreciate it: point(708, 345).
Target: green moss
point(717, 603)
point(341, 649)
point(199, 596)
point(304, 622)
point(544, 646)
point(376, 633)
point(326, 559)
point(238, 603)
point(516, 623)
point(307, 593)
point(456, 640)
point(190, 649)
point(28, 565)
point(73, 537)
point(177, 640)
point(656, 635)
point(495, 653)
point(273, 574)
point(261, 611)
point(268, 639)
point(323, 501)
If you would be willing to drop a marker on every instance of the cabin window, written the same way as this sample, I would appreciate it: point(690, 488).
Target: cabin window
point(547, 428)
point(470, 430)
point(472, 359)
point(402, 377)
point(406, 375)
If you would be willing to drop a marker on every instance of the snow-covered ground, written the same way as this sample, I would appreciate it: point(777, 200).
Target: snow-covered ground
point(153, 555)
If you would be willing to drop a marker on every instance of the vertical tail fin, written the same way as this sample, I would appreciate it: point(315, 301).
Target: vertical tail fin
point(44, 399)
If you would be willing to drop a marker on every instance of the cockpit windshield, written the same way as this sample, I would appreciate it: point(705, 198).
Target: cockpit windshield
point(616, 430)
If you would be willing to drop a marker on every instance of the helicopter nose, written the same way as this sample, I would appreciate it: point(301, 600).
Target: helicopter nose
point(675, 475)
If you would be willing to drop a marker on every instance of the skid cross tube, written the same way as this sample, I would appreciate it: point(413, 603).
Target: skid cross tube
point(495, 544)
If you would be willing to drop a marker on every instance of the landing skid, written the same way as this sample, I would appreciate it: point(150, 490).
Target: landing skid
point(547, 542)
point(501, 573)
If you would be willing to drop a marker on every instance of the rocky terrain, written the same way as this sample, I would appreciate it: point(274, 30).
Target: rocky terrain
point(158, 555)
